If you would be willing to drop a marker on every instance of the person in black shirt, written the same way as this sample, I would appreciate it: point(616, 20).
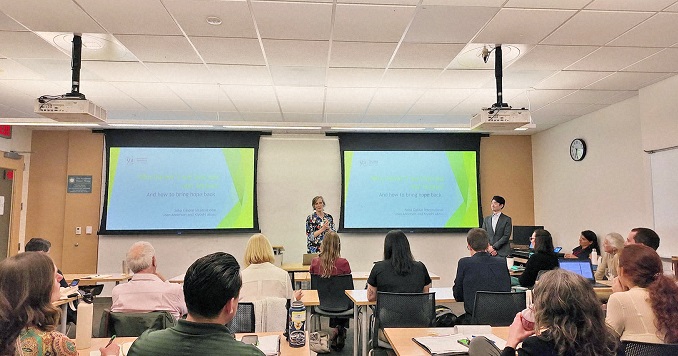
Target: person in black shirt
point(543, 258)
point(588, 241)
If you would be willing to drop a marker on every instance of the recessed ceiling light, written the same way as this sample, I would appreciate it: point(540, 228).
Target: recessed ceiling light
point(213, 20)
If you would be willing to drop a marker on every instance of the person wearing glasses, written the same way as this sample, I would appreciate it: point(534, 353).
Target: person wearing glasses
point(543, 258)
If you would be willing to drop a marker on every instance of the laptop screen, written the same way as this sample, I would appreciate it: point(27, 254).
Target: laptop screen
point(580, 267)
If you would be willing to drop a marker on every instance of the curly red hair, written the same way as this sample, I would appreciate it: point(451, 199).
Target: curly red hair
point(644, 267)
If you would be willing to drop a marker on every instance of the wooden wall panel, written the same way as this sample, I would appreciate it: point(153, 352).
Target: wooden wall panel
point(17, 187)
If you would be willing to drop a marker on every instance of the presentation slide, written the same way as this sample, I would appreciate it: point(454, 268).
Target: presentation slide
point(410, 189)
point(180, 188)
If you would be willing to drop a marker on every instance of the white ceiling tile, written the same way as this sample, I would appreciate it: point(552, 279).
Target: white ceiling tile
point(229, 50)
point(397, 108)
point(404, 96)
point(539, 98)
point(478, 3)
point(672, 8)
point(299, 106)
point(546, 57)
point(341, 95)
point(164, 104)
point(548, 4)
point(517, 79)
point(623, 96)
point(658, 31)
point(148, 17)
point(470, 79)
point(175, 49)
point(6, 22)
point(146, 90)
point(250, 93)
point(344, 118)
point(571, 80)
point(298, 76)
point(423, 55)
point(438, 108)
point(629, 5)
point(559, 109)
point(379, 2)
point(612, 58)
point(207, 91)
point(257, 106)
point(361, 54)
point(262, 116)
point(116, 102)
point(595, 27)
point(209, 104)
point(448, 24)
point(381, 119)
point(346, 107)
point(454, 96)
point(664, 61)
point(296, 53)
point(181, 72)
point(590, 97)
point(371, 22)
point(10, 69)
point(410, 78)
point(56, 16)
point(311, 21)
point(56, 69)
point(354, 77)
point(229, 116)
point(427, 119)
point(628, 81)
point(304, 117)
point(545, 122)
point(27, 45)
point(310, 94)
point(120, 71)
point(524, 26)
point(35, 88)
point(238, 74)
point(192, 17)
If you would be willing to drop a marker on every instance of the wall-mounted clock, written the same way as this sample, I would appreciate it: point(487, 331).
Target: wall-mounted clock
point(578, 149)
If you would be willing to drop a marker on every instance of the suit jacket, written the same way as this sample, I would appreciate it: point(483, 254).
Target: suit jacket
point(499, 239)
point(480, 272)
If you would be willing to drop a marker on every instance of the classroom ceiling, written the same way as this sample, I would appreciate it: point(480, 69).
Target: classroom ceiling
point(408, 63)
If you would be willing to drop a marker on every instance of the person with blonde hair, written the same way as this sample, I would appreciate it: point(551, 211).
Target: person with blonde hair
point(568, 320)
point(29, 283)
point(613, 243)
point(317, 224)
point(261, 278)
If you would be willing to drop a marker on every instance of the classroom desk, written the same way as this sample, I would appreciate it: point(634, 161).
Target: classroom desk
point(292, 268)
point(357, 276)
point(603, 293)
point(63, 303)
point(401, 338)
point(360, 303)
point(285, 349)
point(96, 278)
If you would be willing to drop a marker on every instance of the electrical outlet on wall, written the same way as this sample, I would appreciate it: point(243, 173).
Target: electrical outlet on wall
point(78, 230)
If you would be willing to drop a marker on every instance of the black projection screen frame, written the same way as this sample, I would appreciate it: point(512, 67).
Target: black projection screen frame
point(408, 142)
point(178, 139)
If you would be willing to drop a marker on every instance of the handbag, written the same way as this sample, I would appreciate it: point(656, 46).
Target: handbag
point(319, 342)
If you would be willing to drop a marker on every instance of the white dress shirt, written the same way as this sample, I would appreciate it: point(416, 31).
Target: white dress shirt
point(146, 292)
point(264, 280)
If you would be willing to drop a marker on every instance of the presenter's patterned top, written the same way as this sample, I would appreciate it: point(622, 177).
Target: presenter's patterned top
point(313, 224)
point(35, 342)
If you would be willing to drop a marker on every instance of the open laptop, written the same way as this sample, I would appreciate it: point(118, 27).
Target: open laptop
point(583, 268)
point(308, 257)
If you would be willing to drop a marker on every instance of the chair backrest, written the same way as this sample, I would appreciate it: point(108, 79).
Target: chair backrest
point(632, 348)
point(331, 292)
point(497, 308)
point(403, 310)
point(243, 321)
point(134, 324)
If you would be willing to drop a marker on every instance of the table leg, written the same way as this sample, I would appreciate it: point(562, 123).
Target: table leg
point(356, 312)
point(364, 330)
point(64, 312)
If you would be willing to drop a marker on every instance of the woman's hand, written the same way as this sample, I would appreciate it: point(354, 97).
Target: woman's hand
point(298, 294)
point(618, 286)
point(111, 350)
point(516, 332)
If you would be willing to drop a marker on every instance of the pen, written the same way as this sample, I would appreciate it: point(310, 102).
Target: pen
point(110, 341)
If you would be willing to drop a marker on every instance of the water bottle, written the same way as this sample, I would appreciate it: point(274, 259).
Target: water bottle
point(297, 321)
point(594, 257)
point(83, 331)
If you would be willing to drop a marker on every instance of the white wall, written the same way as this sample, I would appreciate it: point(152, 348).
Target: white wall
point(659, 123)
point(610, 190)
point(291, 171)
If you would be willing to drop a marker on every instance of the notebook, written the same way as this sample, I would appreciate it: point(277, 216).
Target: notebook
point(583, 268)
point(308, 257)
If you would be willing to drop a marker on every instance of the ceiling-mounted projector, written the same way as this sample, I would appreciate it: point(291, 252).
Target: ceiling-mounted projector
point(495, 119)
point(70, 110)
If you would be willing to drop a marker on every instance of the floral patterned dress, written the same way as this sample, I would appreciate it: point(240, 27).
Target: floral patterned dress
point(35, 342)
point(313, 224)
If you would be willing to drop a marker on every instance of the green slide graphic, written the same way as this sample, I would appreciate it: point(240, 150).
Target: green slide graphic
point(240, 163)
point(463, 166)
point(115, 156)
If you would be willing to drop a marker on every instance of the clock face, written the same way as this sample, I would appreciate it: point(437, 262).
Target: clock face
point(577, 149)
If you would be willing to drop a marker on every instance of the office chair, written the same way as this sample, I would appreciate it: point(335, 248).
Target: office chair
point(497, 308)
point(133, 324)
point(243, 321)
point(333, 300)
point(633, 348)
point(401, 310)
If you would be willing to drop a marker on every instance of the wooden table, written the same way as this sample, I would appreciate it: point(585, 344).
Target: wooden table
point(96, 278)
point(360, 303)
point(604, 293)
point(292, 268)
point(357, 276)
point(285, 348)
point(63, 303)
point(401, 338)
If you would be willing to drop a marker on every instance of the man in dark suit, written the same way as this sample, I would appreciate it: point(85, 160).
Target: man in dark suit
point(498, 227)
point(480, 272)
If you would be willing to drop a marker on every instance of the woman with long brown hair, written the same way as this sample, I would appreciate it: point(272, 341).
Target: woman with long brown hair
point(29, 283)
point(648, 310)
point(330, 263)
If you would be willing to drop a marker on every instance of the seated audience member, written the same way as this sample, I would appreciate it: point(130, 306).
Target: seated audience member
point(479, 272)
point(399, 272)
point(613, 243)
point(588, 241)
point(568, 320)
point(147, 291)
point(261, 278)
point(211, 288)
point(645, 236)
point(543, 258)
point(330, 263)
point(29, 283)
point(648, 310)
